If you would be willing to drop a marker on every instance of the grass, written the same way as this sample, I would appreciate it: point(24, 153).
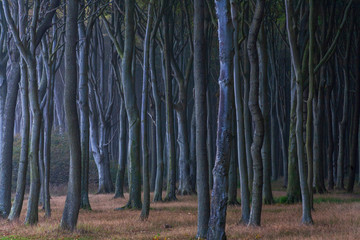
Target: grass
point(336, 216)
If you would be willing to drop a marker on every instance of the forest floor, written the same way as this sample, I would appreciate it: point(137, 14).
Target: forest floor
point(336, 216)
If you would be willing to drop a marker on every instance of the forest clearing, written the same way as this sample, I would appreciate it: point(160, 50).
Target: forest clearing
point(336, 216)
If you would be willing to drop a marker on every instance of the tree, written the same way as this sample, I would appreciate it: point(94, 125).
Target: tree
point(170, 133)
point(296, 64)
point(84, 38)
point(144, 103)
point(131, 109)
point(240, 128)
point(28, 53)
point(258, 121)
point(202, 177)
point(220, 172)
point(73, 199)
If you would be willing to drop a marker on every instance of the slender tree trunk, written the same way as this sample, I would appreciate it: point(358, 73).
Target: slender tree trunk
point(265, 104)
point(220, 172)
point(170, 132)
point(240, 131)
point(355, 119)
point(8, 134)
point(295, 59)
point(232, 179)
point(24, 160)
point(200, 116)
point(330, 148)
point(309, 120)
point(131, 108)
point(344, 120)
point(192, 154)
point(120, 175)
point(153, 151)
point(318, 145)
point(183, 141)
point(144, 128)
point(84, 113)
point(159, 142)
point(293, 188)
point(73, 199)
point(257, 118)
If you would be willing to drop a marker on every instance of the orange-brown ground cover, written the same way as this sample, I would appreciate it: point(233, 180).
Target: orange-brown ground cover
point(177, 220)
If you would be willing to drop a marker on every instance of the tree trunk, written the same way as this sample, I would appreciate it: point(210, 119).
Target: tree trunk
point(232, 179)
point(131, 108)
point(144, 125)
point(220, 172)
point(355, 120)
point(240, 131)
point(293, 188)
point(265, 104)
point(8, 134)
point(295, 60)
point(257, 118)
point(73, 198)
point(120, 175)
point(309, 120)
point(159, 142)
point(24, 160)
point(330, 148)
point(170, 132)
point(192, 154)
point(84, 112)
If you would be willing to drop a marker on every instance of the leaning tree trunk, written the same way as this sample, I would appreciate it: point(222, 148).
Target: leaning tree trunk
point(257, 118)
point(25, 133)
point(73, 199)
point(8, 134)
point(220, 172)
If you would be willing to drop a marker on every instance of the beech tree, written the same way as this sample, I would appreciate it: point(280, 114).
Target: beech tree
point(73, 199)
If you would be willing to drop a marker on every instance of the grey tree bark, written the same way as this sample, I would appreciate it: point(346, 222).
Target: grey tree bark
point(257, 118)
point(144, 106)
point(170, 132)
point(240, 128)
point(131, 109)
point(265, 102)
point(73, 198)
point(220, 172)
point(295, 59)
point(8, 133)
point(158, 121)
point(120, 175)
point(84, 38)
point(200, 115)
